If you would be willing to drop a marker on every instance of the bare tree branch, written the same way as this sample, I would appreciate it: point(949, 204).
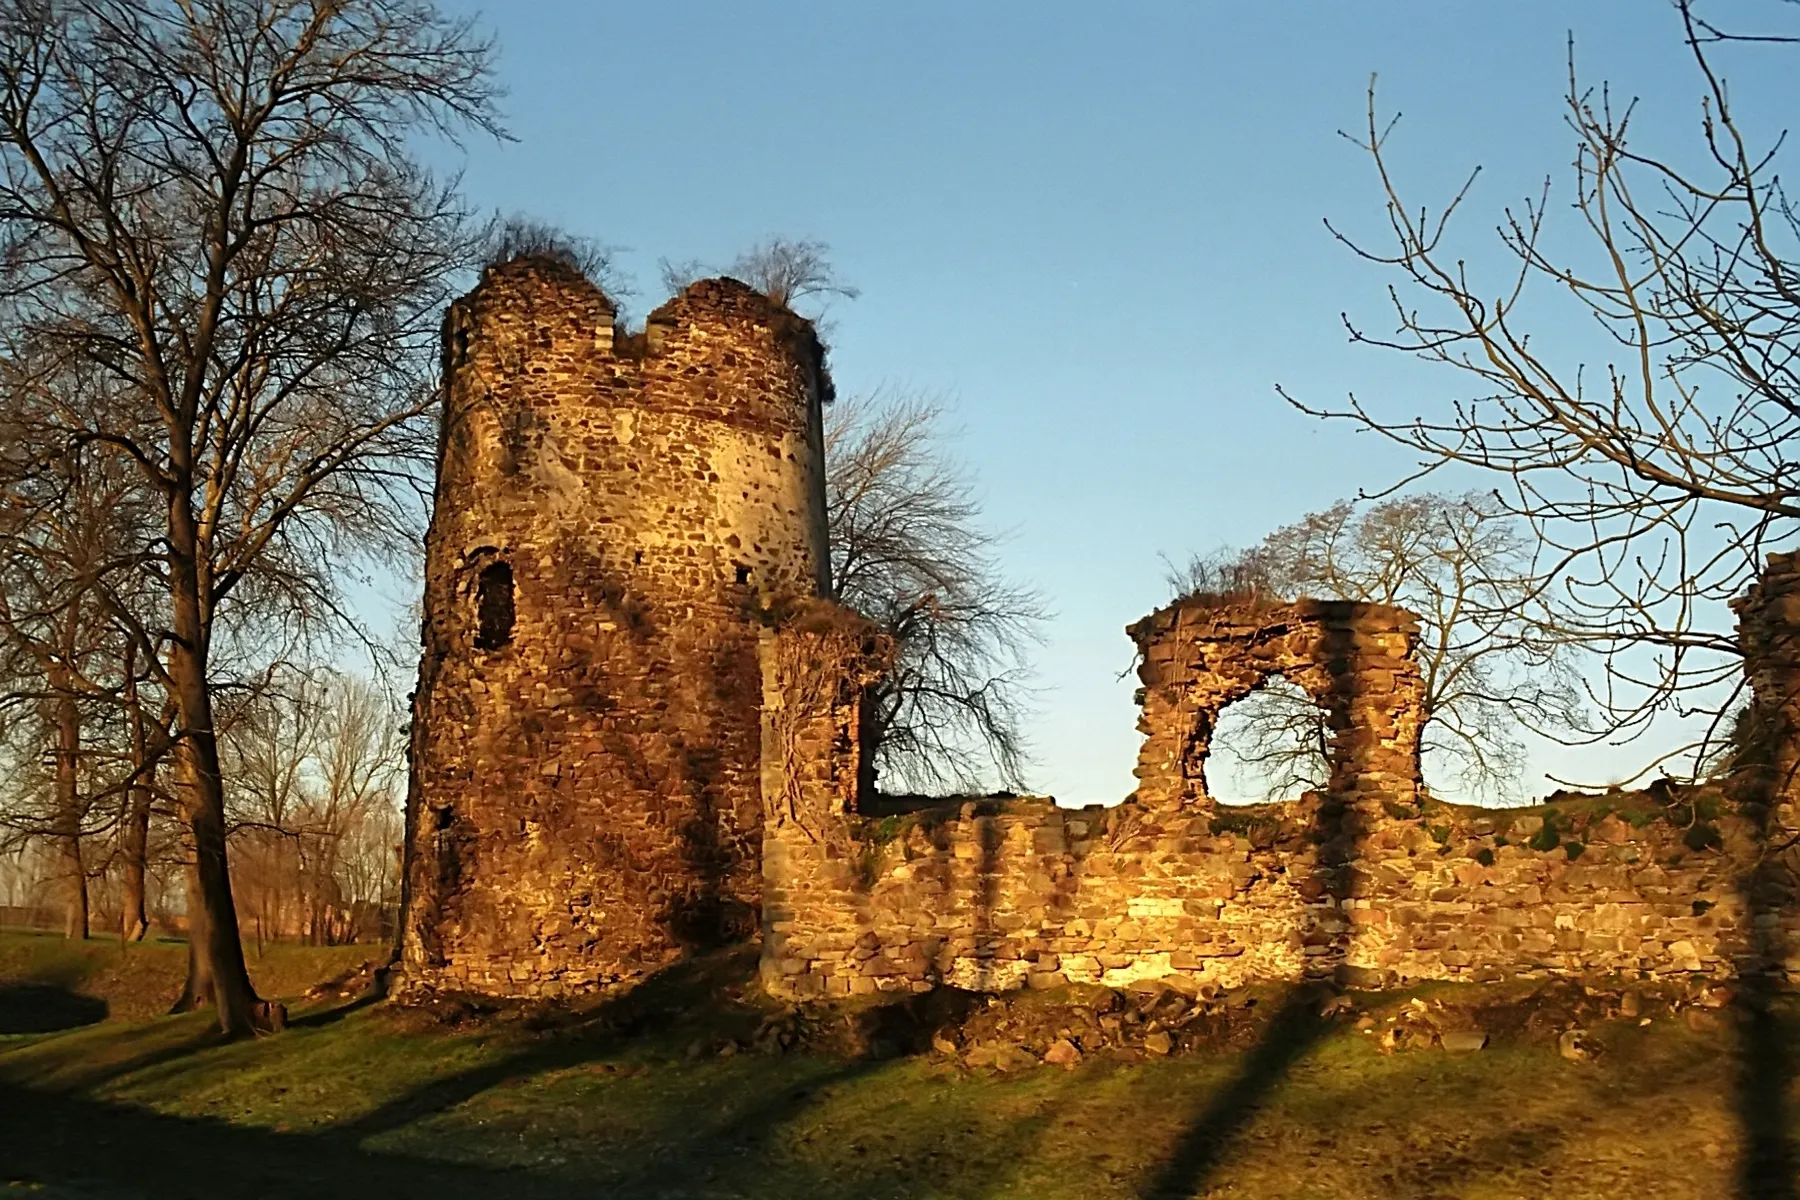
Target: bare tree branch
point(1491, 654)
point(908, 551)
point(1658, 474)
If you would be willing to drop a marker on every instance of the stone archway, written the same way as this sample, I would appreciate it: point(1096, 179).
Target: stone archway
point(1355, 660)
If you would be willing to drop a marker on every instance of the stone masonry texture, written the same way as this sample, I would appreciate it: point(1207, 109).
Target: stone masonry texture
point(614, 517)
point(1368, 883)
point(639, 729)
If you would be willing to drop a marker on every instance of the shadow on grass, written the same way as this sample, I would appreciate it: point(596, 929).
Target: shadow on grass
point(1294, 1030)
point(46, 1008)
point(55, 1139)
point(737, 1128)
point(1765, 1073)
point(659, 1003)
point(335, 1013)
point(1766, 1167)
point(1297, 1027)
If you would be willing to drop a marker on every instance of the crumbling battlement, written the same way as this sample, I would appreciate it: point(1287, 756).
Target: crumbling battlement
point(611, 522)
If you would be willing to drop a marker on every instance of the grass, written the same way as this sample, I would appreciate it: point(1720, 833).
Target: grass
point(633, 1099)
point(138, 980)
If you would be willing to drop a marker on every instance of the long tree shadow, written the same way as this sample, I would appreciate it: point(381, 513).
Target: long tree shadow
point(46, 1008)
point(658, 1002)
point(1292, 1032)
point(111, 1053)
point(702, 1130)
point(54, 1139)
point(1766, 766)
point(59, 1141)
point(1294, 1029)
point(52, 1136)
point(1766, 1166)
point(1765, 1060)
point(1297, 1025)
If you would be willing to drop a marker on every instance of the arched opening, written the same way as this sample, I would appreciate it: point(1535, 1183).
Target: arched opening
point(1269, 746)
point(493, 606)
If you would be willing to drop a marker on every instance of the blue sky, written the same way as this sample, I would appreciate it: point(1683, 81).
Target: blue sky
point(1097, 229)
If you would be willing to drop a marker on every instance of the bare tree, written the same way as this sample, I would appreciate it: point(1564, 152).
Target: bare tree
point(147, 741)
point(786, 270)
point(218, 207)
point(1488, 655)
point(789, 271)
point(1657, 476)
point(519, 236)
point(909, 552)
point(676, 274)
point(316, 764)
point(1276, 742)
point(62, 522)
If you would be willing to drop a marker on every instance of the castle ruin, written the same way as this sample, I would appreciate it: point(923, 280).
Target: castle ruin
point(613, 516)
point(638, 730)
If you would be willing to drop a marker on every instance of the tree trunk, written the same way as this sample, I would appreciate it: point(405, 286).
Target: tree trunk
point(68, 811)
point(134, 918)
point(75, 898)
point(197, 991)
point(216, 939)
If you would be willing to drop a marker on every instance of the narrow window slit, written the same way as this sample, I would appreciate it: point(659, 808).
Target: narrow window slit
point(493, 606)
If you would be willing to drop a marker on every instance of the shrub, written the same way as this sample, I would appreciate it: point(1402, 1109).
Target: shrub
point(1231, 822)
point(1484, 856)
point(1574, 849)
point(1703, 835)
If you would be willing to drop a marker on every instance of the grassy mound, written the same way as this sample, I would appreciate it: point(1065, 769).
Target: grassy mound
point(49, 982)
point(675, 1091)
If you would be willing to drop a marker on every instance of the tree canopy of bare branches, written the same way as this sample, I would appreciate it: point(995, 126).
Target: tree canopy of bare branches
point(1491, 660)
point(908, 551)
point(216, 212)
point(1656, 462)
point(316, 766)
point(68, 677)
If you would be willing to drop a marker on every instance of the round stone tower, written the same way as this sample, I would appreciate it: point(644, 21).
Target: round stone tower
point(614, 518)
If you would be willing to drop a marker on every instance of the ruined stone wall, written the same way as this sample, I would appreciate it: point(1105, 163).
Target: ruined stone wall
point(1370, 883)
point(611, 522)
point(1769, 635)
point(998, 894)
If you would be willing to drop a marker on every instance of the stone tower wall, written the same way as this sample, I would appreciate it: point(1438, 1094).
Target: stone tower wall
point(585, 798)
